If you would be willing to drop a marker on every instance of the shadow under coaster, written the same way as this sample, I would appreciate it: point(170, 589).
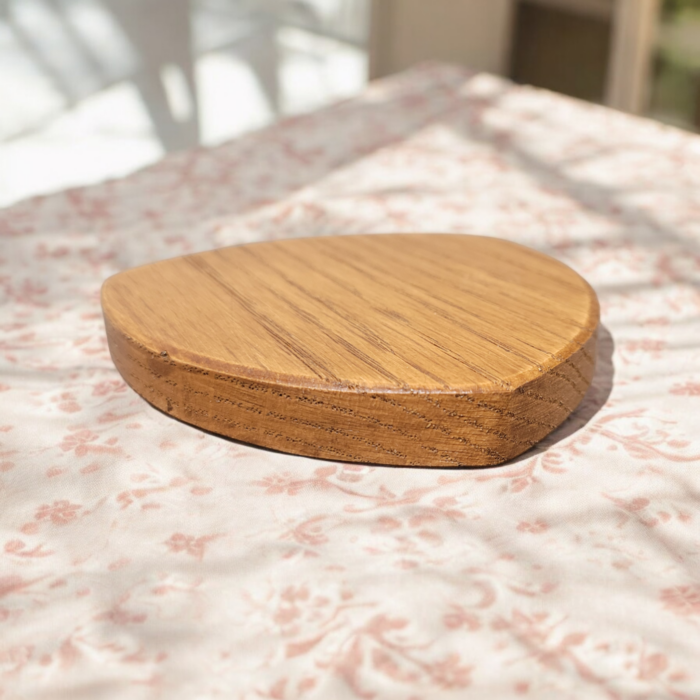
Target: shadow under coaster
point(411, 349)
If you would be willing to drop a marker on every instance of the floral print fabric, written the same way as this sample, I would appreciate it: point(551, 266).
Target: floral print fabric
point(142, 558)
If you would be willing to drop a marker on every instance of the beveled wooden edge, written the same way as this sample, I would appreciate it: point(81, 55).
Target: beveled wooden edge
point(431, 420)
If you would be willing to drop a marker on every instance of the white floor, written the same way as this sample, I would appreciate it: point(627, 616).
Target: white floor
point(89, 90)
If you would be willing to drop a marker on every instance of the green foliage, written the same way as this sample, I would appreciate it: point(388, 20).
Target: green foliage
point(673, 9)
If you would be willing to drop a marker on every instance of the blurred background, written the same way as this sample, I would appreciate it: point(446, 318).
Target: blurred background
point(94, 89)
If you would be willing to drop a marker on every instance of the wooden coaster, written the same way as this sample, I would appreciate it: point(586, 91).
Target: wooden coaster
point(425, 350)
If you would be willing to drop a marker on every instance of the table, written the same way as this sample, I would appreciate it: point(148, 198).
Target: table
point(142, 558)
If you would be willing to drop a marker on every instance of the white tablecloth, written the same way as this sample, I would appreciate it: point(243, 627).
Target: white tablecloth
point(142, 558)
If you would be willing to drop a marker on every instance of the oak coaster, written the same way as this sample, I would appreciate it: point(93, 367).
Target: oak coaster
point(433, 350)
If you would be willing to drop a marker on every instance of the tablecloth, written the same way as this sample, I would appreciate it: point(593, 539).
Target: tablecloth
point(143, 558)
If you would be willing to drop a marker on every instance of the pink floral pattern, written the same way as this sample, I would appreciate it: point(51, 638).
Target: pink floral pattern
point(141, 558)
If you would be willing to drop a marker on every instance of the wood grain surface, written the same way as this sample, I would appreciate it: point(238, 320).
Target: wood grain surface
point(410, 349)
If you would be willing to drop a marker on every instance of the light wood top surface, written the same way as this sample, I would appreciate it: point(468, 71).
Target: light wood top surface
point(381, 312)
point(394, 314)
